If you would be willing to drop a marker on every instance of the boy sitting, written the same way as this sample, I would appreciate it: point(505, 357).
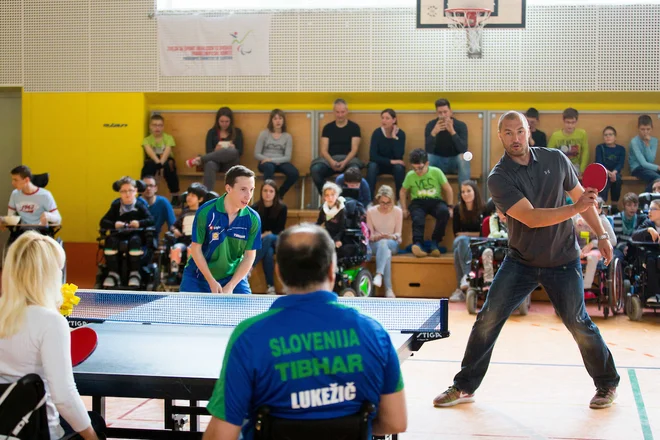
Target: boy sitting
point(183, 227)
point(158, 155)
point(650, 231)
point(626, 222)
point(352, 179)
point(430, 194)
point(126, 214)
point(34, 205)
point(572, 141)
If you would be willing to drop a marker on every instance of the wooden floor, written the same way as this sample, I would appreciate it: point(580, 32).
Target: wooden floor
point(536, 387)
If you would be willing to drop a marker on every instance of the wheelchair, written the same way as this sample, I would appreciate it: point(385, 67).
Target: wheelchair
point(353, 278)
point(643, 285)
point(170, 280)
point(478, 288)
point(608, 287)
point(51, 230)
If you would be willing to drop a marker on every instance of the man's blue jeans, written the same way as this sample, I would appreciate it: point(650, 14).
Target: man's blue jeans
point(452, 165)
point(512, 283)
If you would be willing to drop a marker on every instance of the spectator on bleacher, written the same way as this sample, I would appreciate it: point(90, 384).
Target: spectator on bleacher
point(224, 146)
point(182, 228)
point(612, 156)
point(273, 151)
point(159, 155)
point(625, 222)
point(538, 138)
point(468, 216)
point(125, 213)
point(273, 215)
point(34, 205)
point(338, 150)
point(261, 369)
point(572, 141)
point(655, 188)
point(431, 194)
point(643, 149)
point(446, 141)
point(34, 336)
point(331, 214)
point(226, 236)
point(388, 144)
point(352, 180)
point(385, 221)
point(159, 207)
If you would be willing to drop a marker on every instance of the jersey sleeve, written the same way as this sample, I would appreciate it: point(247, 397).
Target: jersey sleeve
point(169, 141)
point(254, 240)
point(570, 176)
point(12, 202)
point(393, 380)
point(440, 175)
point(49, 203)
point(199, 227)
point(407, 182)
point(233, 391)
point(146, 141)
point(504, 193)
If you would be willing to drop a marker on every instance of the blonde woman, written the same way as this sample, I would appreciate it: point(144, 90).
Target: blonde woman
point(34, 336)
point(384, 221)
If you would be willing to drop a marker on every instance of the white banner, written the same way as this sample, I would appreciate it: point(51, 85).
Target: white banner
point(236, 45)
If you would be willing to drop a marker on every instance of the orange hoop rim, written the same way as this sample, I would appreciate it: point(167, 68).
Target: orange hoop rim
point(478, 15)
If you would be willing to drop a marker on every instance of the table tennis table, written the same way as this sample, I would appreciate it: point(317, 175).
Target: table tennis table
point(171, 346)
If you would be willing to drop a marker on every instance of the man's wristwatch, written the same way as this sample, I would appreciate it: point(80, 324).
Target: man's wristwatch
point(605, 236)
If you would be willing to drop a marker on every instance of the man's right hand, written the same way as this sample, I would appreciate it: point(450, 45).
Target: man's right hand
point(405, 213)
point(439, 126)
point(587, 200)
point(119, 225)
point(215, 286)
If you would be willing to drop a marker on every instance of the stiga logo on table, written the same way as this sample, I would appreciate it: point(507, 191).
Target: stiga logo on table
point(113, 125)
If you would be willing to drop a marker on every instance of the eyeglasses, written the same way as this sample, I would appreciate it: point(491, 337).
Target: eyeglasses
point(127, 191)
point(609, 134)
point(385, 203)
point(654, 209)
point(150, 185)
point(420, 168)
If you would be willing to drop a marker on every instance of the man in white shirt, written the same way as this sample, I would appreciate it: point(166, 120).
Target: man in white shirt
point(34, 205)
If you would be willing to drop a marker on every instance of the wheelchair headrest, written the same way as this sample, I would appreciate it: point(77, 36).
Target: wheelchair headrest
point(140, 185)
point(646, 198)
point(490, 207)
point(40, 180)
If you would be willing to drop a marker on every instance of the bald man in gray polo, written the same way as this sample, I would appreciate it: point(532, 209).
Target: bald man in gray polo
point(529, 185)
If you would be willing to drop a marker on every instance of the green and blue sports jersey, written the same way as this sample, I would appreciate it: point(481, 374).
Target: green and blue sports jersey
point(223, 245)
point(308, 357)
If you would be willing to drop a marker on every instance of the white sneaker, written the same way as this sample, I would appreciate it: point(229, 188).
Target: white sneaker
point(457, 296)
point(271, 290)
point(378, 280)
point(464, 283)
point(110, 280)
point(134, 279)
point(652, 299)
point(389, 293)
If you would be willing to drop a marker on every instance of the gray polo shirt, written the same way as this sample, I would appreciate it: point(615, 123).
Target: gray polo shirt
point(543, 182)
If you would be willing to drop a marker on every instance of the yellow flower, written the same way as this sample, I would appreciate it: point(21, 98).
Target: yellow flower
point(69, 298)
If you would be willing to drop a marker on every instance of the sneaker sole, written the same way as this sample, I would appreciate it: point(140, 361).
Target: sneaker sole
point(418, 252)
point(607, 405)
point(435, 253)
point(454, 402)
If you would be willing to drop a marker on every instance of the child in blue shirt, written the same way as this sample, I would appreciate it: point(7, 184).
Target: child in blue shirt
point(643, 149)
point(612, 156)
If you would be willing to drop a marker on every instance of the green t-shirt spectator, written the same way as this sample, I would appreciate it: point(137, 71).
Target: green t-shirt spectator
point(428, 186)
point(574, 146)
point(158, 147)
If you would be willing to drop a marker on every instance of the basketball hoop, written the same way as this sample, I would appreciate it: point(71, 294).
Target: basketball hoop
point(473, 21)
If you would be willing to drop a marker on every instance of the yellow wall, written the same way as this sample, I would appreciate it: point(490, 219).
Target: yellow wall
point(63, 133)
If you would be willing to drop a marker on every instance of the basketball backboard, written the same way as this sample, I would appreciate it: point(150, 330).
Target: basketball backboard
point(505, 13)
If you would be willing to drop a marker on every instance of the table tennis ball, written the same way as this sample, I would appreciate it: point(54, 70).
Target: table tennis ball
point(467, 156)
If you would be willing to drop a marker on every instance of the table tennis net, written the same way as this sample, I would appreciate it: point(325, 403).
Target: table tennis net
point(230, 310)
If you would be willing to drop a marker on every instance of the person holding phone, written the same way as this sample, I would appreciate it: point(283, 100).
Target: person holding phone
point(447, 141)
point(224, 147)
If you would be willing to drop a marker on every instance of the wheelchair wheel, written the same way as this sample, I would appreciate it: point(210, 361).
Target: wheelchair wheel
point(363, 284)
point(635, 308)
point(471, 298)
point(624, 294)
point(523, 308)
point(616, 287)
point(347, 292)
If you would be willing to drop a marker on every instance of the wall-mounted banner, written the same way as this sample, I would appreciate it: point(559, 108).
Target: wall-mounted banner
point(236, 45)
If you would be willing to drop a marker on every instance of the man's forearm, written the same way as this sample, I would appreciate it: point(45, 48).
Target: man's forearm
point(592, 219)
point(200, 261)
point(542, 217)
point(243, 268)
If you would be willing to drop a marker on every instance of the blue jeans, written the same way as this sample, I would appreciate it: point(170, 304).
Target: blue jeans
point(452, 165)
point(290, 172)
point(267, 254)
point(195, 285)
point(512, 283)
point(648, 176)
point(374, 170)
point(462, 257)
point(385, 248)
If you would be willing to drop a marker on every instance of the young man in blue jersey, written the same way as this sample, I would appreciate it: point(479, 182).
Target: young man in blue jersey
point(159, 207)
point(348, 358)
point(225, 238)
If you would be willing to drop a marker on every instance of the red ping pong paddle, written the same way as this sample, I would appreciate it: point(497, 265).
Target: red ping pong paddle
point(83, 344)
point(595, 176)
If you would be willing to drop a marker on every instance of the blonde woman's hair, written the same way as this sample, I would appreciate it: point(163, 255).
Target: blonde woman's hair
point(331, 187)
point(385, 191)
point(32, 275)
